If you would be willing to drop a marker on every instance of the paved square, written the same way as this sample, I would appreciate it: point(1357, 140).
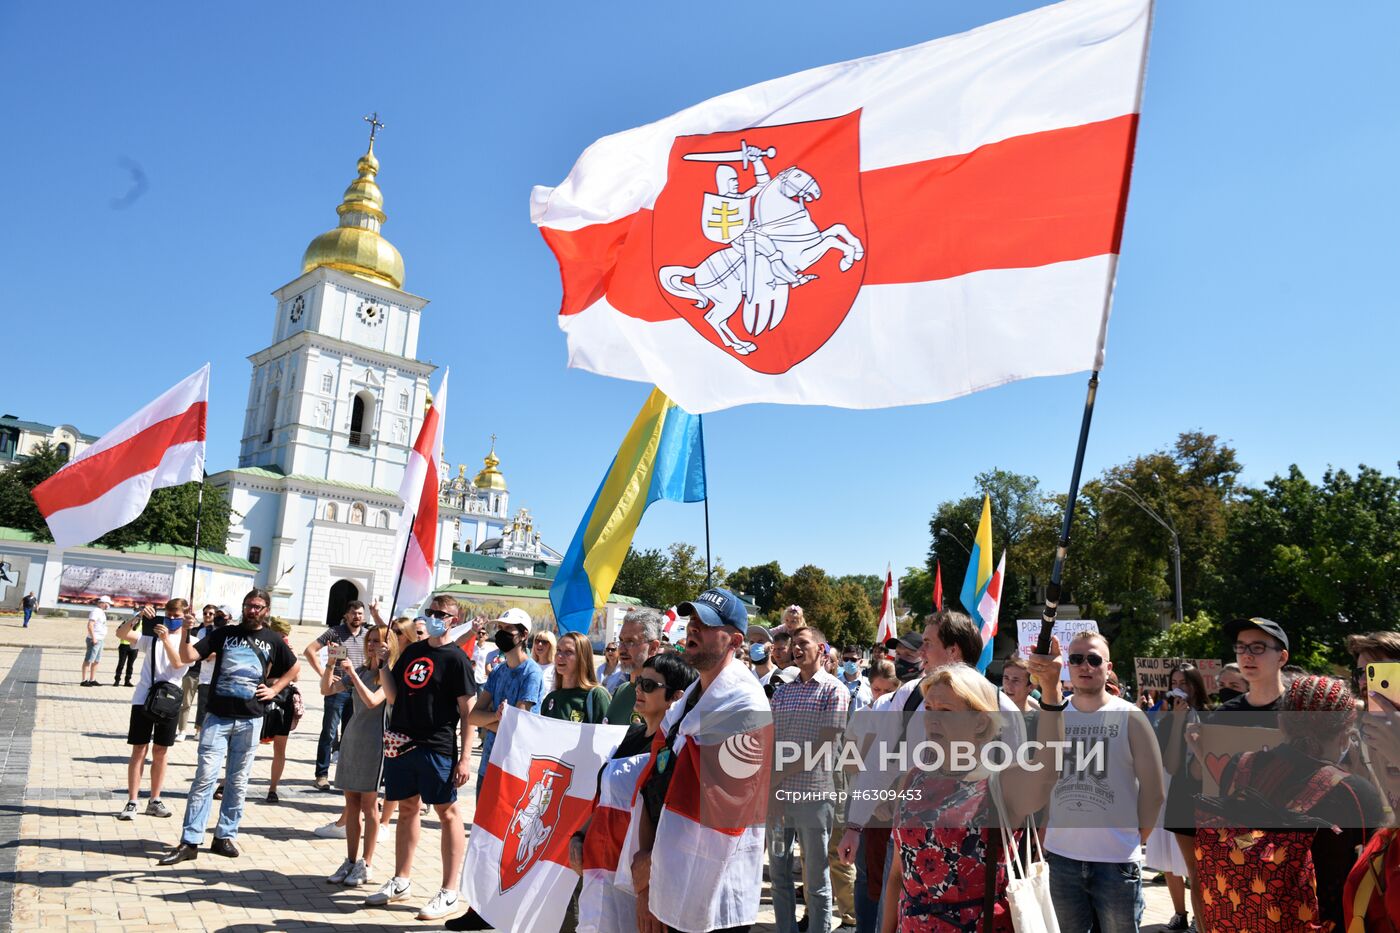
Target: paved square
point(67, 863)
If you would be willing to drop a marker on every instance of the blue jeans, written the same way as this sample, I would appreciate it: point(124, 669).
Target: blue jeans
point(867, 910)
point(238, 738)
point(27, 614)
point(808, 824)
point(335, 714)
point(1083, 892)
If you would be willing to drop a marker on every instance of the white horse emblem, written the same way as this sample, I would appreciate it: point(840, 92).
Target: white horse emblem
point(769, 239)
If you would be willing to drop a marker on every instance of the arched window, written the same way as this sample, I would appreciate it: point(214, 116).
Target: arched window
point(64, 451)
point(357, 514)
point(361, 419)
point(383, 520)
point(271, 422)
point(332, 514)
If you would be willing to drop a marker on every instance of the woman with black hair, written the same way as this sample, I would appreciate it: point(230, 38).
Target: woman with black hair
point(594, 851)
point(1173, 852)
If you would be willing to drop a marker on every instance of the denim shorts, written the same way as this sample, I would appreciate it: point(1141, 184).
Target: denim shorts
point(420, 772)
point(94, 651)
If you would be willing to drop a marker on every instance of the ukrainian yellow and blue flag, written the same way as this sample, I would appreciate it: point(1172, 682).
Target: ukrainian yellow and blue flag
point(662, 457)
point(975, 583)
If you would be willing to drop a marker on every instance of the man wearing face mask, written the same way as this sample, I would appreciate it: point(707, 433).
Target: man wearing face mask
point(908, 656)
point(849, 674)
point(517, 681)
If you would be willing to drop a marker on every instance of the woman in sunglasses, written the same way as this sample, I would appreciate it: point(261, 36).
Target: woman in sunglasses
point(542, 649)
point(602, 905)
point(610, 663)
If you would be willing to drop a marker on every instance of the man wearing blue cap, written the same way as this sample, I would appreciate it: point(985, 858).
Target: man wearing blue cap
point(690, 875)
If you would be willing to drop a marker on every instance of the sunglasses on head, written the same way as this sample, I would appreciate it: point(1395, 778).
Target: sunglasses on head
point(1093, 660)
point(647, 685)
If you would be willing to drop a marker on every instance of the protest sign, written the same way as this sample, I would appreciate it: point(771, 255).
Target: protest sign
point(1220, 742)
point(1155, 674)
point(1066, 630)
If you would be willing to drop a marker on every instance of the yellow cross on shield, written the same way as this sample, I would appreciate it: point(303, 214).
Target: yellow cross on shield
point(723, 218)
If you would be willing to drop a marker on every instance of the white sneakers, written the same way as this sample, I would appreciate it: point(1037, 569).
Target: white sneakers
point(341, 873)
point(442, 904)
point(330, 831)
point(358, 875)
point(128, 812)
point(395, 889)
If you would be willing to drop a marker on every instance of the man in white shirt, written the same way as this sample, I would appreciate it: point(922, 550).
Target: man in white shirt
point(96, 635)
point(1101, 816)
point(157, 661)
point(851, 678)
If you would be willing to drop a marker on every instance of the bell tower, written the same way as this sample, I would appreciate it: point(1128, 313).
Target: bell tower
point(339, 393)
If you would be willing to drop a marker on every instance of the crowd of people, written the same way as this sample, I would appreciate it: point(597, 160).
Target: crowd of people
point(1293, 833)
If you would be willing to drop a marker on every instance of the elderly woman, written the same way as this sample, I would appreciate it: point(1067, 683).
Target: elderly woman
point(947, 817)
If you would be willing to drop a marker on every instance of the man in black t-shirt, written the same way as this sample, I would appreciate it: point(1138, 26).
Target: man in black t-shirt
point(254, 664)
point(433, 692)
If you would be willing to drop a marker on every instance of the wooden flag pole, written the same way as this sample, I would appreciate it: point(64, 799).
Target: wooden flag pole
point(1052, 590)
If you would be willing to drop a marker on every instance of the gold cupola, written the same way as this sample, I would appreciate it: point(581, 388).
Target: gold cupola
point(490, 477)
point(355, 246)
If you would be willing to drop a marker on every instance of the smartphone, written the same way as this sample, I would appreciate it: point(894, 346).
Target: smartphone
point(148, 626)
point(335, 652)
point(1384, 678)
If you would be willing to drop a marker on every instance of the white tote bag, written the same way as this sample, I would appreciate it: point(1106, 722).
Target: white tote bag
point(1027, 884)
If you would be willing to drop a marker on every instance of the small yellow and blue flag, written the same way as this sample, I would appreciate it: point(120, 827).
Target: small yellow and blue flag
point(980, 583)
point(662, 457)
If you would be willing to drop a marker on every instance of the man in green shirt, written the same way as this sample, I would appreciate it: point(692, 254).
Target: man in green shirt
point(638, 639)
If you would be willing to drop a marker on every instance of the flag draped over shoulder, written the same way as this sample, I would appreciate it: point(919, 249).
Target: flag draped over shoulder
point(108, 484)
point(960, 200)
point(662, 457)
point(603, 907)
point(416, 544)
point(537, 792)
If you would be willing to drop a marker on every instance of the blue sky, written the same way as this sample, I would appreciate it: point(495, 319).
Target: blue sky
point(1255, 293)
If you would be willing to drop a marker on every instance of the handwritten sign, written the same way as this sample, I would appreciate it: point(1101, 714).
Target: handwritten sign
point(1219, 743)
point(1155, 674)
point(1066, 630)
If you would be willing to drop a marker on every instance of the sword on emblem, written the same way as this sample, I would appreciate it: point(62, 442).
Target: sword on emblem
point(739, 155)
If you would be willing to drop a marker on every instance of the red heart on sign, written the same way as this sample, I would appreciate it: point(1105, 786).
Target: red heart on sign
point(1215, 764)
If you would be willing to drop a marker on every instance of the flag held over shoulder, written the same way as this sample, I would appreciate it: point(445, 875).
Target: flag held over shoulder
point(108, 484)
point(960, 200)
point(662, 457)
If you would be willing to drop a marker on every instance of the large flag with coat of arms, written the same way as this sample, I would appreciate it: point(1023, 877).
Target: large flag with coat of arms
point(897, 229)
point(538, 791)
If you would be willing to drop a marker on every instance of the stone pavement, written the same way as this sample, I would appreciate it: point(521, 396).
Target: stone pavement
point(67, 863)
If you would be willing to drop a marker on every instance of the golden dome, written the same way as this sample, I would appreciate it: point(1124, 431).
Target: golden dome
point(490, 477)
point(355, 246)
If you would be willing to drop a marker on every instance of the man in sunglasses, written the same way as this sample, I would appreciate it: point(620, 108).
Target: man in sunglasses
point(1105, 804)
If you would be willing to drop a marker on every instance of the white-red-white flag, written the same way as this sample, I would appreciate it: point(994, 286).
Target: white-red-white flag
point(417, 541)
point(537, 792)
point(108, 485)
point(887, 628)
point(960, 200)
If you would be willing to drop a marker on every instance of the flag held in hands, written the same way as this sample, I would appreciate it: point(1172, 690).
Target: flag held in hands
point(662, 457)
point(887, 628)
point(538, 791)
point(416, 544)
point(108, 484)
point(960, 200)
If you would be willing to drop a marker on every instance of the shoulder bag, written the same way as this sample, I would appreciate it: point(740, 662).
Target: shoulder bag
point(164, 698)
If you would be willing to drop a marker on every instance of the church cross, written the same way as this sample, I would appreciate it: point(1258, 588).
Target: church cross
point(374, 125)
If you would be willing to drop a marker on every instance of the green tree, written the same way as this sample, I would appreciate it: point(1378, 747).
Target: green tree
point(811, 588)
point(1197, 636)
point(916, 593)
point(853, 620)
point(663, 579)
point(642, 575)
point(872, 586)
point(761, 581)
point(169, 516)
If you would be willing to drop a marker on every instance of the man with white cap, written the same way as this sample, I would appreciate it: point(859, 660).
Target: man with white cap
point(96, 635)
point(688, 873)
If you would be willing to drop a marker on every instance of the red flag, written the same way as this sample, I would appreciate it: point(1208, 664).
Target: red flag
point(417, 538)
point(108, 484)
point(937, 586)
point(887, 626)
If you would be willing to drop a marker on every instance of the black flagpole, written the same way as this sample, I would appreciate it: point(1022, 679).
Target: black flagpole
point(1052, 591)
point(403, 561)
point(708, 573)
point(198, 520)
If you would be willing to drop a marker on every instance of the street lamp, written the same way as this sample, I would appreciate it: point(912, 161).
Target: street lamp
point(945, 533)
point(1134, 498)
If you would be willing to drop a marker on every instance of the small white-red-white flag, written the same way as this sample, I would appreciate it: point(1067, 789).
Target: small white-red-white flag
point(417, 542)
point(108, 485)
point(538, 791)
point(887, 621)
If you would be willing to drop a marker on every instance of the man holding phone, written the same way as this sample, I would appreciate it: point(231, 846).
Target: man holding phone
point(254, 664)
point(349, 635)
point(161, 664)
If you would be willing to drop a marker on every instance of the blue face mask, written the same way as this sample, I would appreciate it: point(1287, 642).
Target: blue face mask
point(758, 653)
point(850, 668)
point(436, 627)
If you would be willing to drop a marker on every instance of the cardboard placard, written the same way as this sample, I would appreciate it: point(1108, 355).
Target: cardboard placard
point(1219, 743)
point(1066, 630)
point(1155, 674)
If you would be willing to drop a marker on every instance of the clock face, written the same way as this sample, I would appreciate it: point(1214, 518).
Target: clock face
point(372, 314)
point(298, 308)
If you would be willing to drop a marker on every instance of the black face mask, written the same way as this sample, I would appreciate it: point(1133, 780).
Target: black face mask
point(1228, 693)
point(505, 641)
point(905, 670)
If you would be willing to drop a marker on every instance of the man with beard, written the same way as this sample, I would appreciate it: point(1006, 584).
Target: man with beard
point(688, 874)
point(638, 639)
